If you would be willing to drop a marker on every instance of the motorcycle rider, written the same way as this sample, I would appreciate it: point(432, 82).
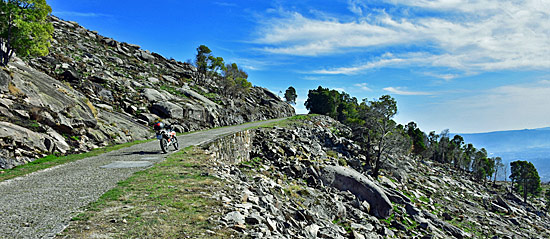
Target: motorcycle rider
point(159, 125)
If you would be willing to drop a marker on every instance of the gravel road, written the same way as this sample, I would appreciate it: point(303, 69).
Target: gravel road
point(41, 204)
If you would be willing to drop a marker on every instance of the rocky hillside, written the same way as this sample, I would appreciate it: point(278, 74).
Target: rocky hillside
point(91, 91)
point(307, 180)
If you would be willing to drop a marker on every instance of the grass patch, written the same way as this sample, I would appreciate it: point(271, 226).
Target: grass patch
point(424, 199)
point(254, 163)
point(469, 227)
point(290, 121)
point(173, 91)
point(169, 200)
point(53, 160)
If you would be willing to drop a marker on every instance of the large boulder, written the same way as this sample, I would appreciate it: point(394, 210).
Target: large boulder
point(167, 109)
point(200, 114)
point(153, 95)
point(347, 179)
point(192, 94)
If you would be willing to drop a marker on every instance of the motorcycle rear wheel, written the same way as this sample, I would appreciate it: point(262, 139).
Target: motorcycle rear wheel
point(164, 145)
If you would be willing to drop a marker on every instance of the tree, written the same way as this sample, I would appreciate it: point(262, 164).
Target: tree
point(290, 95)
point(322, 101)
point(346, 108)
point(526, 178)
point(24, 28)
point(417, 137)
point(379, 129)
point(201, 59)
point(467, 157)
point(234, 80)
point(481, 165)
point(456, 150)
point(216, 64)
point(498, 165)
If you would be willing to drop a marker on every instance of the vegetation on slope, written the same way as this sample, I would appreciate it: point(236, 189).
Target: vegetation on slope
point(169, 200)
point(380, 136)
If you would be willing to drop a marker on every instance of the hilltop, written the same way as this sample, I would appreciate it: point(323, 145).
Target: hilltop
point(91, 91)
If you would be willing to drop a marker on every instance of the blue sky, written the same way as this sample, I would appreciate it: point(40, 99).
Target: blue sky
point(469, 66)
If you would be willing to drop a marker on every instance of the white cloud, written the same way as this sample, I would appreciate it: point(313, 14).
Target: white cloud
point(403, 91)
point(80, 14)
point(362, 87)
point(359, 68)
point(446, 77)
point(470, 36)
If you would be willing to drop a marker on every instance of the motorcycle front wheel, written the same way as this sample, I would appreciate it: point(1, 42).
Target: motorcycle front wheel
point(175, 143)
point(164, 145)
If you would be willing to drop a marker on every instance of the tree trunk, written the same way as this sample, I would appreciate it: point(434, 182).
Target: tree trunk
point(376, 169)
point(525, 191)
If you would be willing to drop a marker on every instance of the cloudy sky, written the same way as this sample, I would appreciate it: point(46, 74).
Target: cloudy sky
point(470, 66)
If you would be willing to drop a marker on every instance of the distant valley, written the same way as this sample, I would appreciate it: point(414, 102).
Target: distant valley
point(529, 144)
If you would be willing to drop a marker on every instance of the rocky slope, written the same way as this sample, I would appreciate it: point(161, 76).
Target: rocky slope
point(92, 90)
point(306, 180)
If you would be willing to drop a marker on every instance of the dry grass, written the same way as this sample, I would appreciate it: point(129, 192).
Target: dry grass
point(91, 106)
point(14, 90)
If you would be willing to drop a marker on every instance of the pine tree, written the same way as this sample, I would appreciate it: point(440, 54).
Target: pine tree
point(525, 178)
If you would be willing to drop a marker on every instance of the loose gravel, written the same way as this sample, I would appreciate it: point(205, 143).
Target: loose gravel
point(41, 204)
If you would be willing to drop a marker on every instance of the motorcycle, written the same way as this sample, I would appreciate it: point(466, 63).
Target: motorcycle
point(167, 137)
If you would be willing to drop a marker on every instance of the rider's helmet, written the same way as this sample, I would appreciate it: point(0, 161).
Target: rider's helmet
point(158, 126)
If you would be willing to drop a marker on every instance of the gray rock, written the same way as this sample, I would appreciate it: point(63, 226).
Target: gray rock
point(357, 235)
point(170, 79)
point(146, 56)
point(312, 230)
point(234, 217)
point(149, 118)
point(116, 60)
point(60, 143)
point(26, 140)
point(344, 178)
point(153, 95)
point(153, 80)
point(168, 110)
point(195, 95)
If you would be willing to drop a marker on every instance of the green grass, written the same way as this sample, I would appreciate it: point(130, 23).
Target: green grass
point(172, 199)
point(53, 160)
point(254, 163)
point(424, 199)
point(290, 121)
point(173, 91)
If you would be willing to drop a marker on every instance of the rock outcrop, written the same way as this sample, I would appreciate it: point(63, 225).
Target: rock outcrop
point(90, 91)
point(307, 180)
point(347, 179)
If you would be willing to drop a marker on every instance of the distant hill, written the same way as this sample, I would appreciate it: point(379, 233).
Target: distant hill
point(529, 144)
point(512, 140)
